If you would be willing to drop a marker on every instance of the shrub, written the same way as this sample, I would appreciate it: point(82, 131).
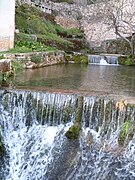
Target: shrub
point(128, 62)
point(36, 58)
point(80, 59)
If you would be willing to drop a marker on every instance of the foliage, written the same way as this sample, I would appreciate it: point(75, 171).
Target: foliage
point(1, 57)
point(123, 133)
point(127, 61)
point(29, 20)
point(73, 32)
point(36, 58)
point(17, 65)
point(55, 41)
point(24, 43)
point(80, 59)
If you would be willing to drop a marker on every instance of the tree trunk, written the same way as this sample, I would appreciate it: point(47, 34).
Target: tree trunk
point(132, 45)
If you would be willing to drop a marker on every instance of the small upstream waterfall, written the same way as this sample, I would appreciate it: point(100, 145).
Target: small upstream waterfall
point(103, 60)
point(33, 127)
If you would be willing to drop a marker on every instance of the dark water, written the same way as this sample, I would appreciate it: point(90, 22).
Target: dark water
point(118, 80)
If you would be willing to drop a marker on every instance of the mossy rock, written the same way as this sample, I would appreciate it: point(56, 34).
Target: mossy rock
point(73, 132)
point(68, 57)
point(80, 59)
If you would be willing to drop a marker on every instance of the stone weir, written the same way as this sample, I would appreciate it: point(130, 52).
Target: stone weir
point(99, 59)
point(35, 128)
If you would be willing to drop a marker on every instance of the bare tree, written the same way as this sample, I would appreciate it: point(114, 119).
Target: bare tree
point(119, 15)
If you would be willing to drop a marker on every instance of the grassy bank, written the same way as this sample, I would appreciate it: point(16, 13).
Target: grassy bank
point(39, 32)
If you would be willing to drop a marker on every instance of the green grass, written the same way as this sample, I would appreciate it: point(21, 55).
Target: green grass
point(32, 22)
point(17, 65)
point(1, 57)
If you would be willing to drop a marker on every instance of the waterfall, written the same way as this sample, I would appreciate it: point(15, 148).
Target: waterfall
point(33, 126)
point(100, 156)
point(103, 60)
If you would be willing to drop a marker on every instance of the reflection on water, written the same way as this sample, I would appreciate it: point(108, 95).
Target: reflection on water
point(109, 79)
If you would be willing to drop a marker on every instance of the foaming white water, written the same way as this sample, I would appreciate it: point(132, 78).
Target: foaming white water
point(103, 62)
point(40, 151)
point(33, 125)
point(30, 150)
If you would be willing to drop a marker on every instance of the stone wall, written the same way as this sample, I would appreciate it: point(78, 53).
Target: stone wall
point(7, 15)
point(4, 43)
point(38, 59)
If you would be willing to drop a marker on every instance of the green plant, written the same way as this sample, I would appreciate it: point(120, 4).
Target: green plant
point(1, 57)
point(123, 133)
point(36, 58)
point(16, 65)
point(80, 59)
point(128, 62)
point(29, 20)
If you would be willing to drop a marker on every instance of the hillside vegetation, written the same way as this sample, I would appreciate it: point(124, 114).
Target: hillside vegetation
point(39, 32)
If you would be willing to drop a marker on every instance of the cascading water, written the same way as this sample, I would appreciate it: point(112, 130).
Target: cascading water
point(103, 60)
point(32, 124)
point(101, 156)
point(33, 127)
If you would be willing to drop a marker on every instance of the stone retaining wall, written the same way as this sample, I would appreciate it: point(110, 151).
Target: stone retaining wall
point(38, 59)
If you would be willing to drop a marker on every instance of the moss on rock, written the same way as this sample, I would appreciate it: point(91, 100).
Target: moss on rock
point(74, 131)
point(80, 59)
